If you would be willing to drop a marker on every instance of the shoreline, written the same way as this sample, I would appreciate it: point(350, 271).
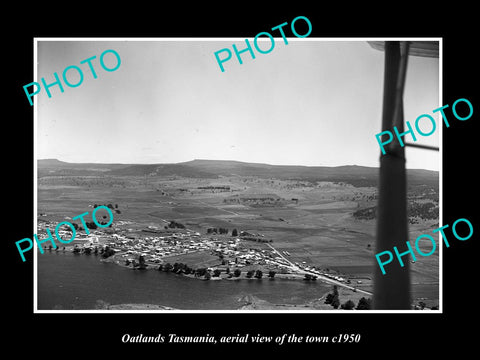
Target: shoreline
point(223, 275)
point(249, 304)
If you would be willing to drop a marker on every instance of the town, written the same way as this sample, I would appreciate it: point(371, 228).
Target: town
point(217, 254)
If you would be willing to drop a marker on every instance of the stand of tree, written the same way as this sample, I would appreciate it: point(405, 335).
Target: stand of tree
point(217, 231)
point(415, 210)
point(88, 250)
point(364, 304)
point(108, 252)
point(237, 272)
point(110, 206)
point(333, 299)
point(261, 240)
point(348, 305)
point(176, 225)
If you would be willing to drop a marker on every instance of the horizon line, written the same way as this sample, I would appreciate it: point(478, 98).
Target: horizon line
point(222, 160)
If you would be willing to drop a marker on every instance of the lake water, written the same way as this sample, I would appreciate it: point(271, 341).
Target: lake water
point(68, 281)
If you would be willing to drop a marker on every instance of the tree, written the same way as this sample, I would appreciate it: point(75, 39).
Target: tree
point(250, 273)
point(180, 268)
point(335, 301)
point(234, 232)
point(174, 224)
point(332, 298)
point(200, 272)
point(328, 298)
point(364, 304)
point(349, 305)
point(271, 274)
point(91, 225)
point(167, 267)
point(141, 262)
point(258, 274)
point(216, 273)
point(237, 273)
point(335, 290)
point(108, 252)
point(207, 275)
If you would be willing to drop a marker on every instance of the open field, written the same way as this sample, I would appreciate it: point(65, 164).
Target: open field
point(199, 259)
point(311, 219)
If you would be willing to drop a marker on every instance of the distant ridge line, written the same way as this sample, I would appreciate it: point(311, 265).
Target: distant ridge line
point(196, 162)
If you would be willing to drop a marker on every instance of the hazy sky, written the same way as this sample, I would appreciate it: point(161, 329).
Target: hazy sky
point(311, 102)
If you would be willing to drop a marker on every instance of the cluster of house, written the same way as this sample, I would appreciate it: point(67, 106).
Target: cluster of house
point(239, 256)
point(158, 248)
point(154, 248)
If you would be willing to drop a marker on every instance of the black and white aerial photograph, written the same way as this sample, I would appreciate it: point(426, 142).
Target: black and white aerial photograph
point(213, 184)
point(225, 180)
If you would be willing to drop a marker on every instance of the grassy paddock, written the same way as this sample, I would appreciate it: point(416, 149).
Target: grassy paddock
point(318, 227)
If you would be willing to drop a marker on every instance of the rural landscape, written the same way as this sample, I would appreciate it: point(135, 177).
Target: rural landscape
point(229, 220)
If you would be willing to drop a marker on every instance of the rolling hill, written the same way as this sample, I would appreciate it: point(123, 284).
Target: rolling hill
point(200, 168)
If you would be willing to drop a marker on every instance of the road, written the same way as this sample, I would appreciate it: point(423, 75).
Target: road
point(294, 267)
point(321, 277)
